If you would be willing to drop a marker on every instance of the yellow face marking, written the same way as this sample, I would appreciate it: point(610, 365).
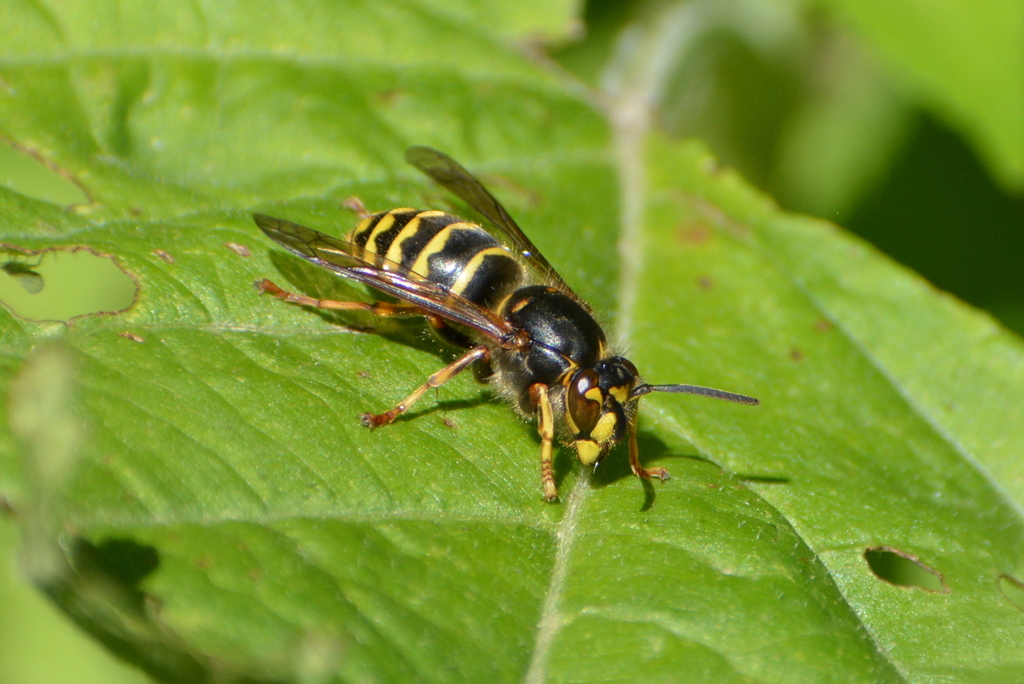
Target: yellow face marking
point(620, 393)
point(604, 429)
point(436, 244)
point(466, 277)
point(594, 394)
point(395, 250)
point(587, 451)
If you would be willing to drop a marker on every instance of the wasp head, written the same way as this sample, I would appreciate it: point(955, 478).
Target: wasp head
point(598, 406)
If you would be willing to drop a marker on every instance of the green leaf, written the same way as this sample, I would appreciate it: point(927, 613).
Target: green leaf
point(41, 645)
point(228, 517)
point(964, 60)
point(842, 136)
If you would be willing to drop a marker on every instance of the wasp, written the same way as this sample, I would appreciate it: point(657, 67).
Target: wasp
point(492, 293)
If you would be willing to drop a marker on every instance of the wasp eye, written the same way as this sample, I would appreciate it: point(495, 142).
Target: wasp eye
point(584, 401)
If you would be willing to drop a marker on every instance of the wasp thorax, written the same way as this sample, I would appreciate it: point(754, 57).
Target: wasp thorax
point(594, 406)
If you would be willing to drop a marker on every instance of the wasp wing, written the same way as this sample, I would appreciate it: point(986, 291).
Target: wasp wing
point(448, 173)
point(389, 277)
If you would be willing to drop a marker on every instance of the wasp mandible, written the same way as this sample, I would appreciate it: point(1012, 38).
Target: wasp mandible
point(494, 294)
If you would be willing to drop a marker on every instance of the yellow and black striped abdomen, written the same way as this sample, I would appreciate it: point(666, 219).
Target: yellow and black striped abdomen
point(444, 249)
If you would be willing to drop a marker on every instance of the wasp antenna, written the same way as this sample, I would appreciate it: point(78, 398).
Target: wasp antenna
point(695, 389)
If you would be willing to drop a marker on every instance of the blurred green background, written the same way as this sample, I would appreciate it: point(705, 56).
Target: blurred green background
point(903, 122)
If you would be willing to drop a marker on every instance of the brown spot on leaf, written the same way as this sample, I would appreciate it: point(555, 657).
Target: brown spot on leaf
point(388, 97)
point(240, 250)
point(1012, 590)
point(693, 233)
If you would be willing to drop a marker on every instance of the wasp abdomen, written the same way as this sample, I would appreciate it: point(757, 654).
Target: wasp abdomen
point(441, 248)
point(375, 233)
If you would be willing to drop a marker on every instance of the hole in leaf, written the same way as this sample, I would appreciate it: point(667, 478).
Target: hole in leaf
point(122, 560)
point(25, 173)
point(762, 479)
point(1013, 590)
point(105, 595)
point(57, 285)
point(116, 567)
point(164, 255)
point(240, 250)
point(903, 569)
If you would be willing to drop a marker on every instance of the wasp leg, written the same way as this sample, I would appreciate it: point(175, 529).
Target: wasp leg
point(372, 420)
point(450, 334)
point(634, 458)
point(356, 205)
point(376, 308)
point(546, 429)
